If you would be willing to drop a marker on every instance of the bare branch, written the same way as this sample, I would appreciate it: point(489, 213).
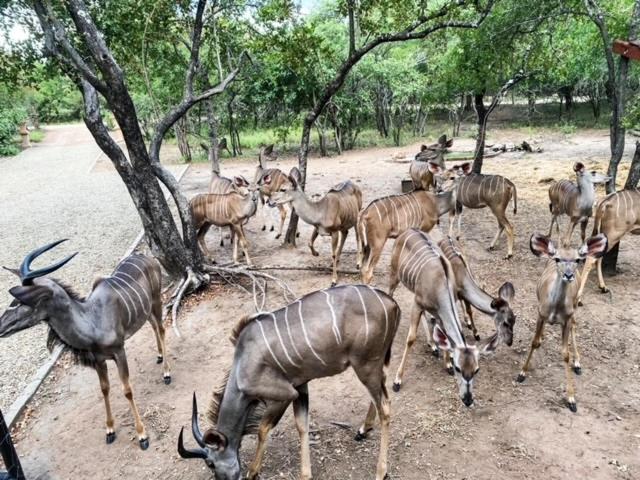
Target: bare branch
point(194, 61)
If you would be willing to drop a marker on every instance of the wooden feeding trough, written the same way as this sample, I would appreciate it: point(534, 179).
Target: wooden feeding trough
point(628, 49)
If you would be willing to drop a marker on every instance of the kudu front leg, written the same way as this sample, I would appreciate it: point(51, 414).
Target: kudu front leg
point(469, 319)
point(103, 375)
point(312, 240)
point(566, 357)
point(577, 369)
point(416, 313)
point(535, 344)
point(123, 372)
point(269, 420)
point(283, 217)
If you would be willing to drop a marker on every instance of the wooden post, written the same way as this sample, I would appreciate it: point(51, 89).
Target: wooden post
point(9, 455)
point(610, 260)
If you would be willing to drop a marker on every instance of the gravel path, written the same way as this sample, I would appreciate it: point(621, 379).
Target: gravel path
point(48, 192)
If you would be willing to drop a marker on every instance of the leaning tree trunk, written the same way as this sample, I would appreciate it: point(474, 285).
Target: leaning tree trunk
point(482, 114)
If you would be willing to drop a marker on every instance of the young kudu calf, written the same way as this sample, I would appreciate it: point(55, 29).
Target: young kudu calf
point(232, 209)
point(278, 353)
point(575, 200)
point(471, 294)
point(269, 181)
point(388, 217)
point(94, 328)
point(419, 170)
point(333, 215)
point(422, 267)
point(616, 215)
point(557, 293)
point(476, 190)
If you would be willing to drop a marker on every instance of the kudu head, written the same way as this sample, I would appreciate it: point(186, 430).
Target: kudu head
point(465, 360)
point(446, 179)
point(36, 299)
point(568, 259)
point(430, 152)
point(504, 318)
point(214, 449)
point(287, 192)
point(463, 169)
point(242, 186)
point(593, 177)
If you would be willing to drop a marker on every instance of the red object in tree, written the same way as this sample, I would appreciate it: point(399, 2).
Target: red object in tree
point(630, 50)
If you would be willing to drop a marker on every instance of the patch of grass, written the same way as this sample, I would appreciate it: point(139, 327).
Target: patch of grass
point(37, 136)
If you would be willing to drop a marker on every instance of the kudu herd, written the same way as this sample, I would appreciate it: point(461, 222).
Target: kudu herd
point(321, 334)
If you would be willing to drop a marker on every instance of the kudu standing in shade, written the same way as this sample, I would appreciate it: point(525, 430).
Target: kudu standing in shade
point(421, 174)
point(95, 328)
point(232, 209)
point(269, 181)
point(333, 215)
point(278, 353)
point(422, 267)
point(616, 215)
point(476, 190)
point(388, 217)
point(575, 200)
point(471, 294)
point(557, 293)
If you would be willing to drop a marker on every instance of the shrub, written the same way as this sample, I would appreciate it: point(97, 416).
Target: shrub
point(10, 118)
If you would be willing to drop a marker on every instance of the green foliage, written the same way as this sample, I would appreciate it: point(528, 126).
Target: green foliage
point(10, 119)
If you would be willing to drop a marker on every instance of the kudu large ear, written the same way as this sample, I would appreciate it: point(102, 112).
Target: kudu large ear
point(215, 439)
point(449, 143)
point(434, 168)
point(595, 246)
point(423, 148)
point(507, 291)
point(266, 180)
point(295, 177)
point(441, 339)
point(31, 295)
point(489, 345)
point(578, 167)
point(442, 141)
point(268, 150)
point(240, 181)
point(466, 168)
point(541, 245)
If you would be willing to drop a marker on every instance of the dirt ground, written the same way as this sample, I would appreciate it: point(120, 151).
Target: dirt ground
point(512, 431)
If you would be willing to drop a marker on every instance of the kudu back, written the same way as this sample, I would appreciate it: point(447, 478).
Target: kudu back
point(94, 328)
point(276, 355)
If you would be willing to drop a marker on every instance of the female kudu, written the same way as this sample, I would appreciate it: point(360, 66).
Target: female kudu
point(94, 328)
point(278, 353)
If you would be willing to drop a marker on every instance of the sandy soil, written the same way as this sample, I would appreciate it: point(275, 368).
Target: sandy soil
point(513, 430)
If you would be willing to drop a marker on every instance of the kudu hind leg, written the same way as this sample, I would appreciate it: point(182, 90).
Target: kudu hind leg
point(503, 225)
point(123, 372)
point(103, 375)
point(159, 331)
point(301, 415)
point(269, 420)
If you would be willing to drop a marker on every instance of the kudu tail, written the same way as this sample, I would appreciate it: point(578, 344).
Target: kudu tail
point(515, 199)
point(363, 247)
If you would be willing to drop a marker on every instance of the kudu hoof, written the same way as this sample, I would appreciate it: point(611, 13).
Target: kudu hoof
point(396, 386)
point(450, 370)
point(144, 443)
point(333, 284)
point(520, 378)
point(278, 236)
point(314, 253)
point(509, 257)
point(264, 227)
point(491, 248)
point(221, 243)
point(604, 290)
point(580, 304)
point(110, 437)
point(167, 380)
point(435, 352)
point(159, 359)
point(360, 436)
point(572, 406)
point(577, 370)
point(297, 234)
point(477, 337)
point(272, 228)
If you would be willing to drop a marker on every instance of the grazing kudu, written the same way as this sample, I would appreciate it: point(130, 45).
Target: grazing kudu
point(557, 293)
point(616, 215)
point(232, 209)
point(388, 217)
point(421, 175)
point(421, 266)
point(269, 181)
point(278, 353)
point(471, 294)
point(333, 215)
point(575, 200)
point(95, 328)
point(476, 190)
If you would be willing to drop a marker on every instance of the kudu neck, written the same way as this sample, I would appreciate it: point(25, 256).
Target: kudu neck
point(306, 208)
point(75, 323)
point(446, 201)
point(233, 413)
point(477, 296)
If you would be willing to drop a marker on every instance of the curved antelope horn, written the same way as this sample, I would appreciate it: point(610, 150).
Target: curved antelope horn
point(27, 275)
point(187, 453)
point(195, 429)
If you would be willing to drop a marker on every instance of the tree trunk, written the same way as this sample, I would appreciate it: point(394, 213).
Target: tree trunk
point(616, 127)
point(531, 106)
point(213, 153)
point(182, 137)
point(482, 116)
point(634, 171)
point(303, 153)
point(468, 102)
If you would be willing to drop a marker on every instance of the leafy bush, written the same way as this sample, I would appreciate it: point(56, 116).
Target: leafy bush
point(10, 118)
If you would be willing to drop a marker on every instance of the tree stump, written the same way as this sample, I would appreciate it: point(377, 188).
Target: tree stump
point(24, 134)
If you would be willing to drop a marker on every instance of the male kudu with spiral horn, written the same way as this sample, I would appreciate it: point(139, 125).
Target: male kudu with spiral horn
point(278, 353)
point(95, 328)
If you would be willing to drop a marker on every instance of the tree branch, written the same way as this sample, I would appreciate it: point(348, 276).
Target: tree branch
point(194, 61)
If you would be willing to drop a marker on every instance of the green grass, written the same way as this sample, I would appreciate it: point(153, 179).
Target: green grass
point(37, 136)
